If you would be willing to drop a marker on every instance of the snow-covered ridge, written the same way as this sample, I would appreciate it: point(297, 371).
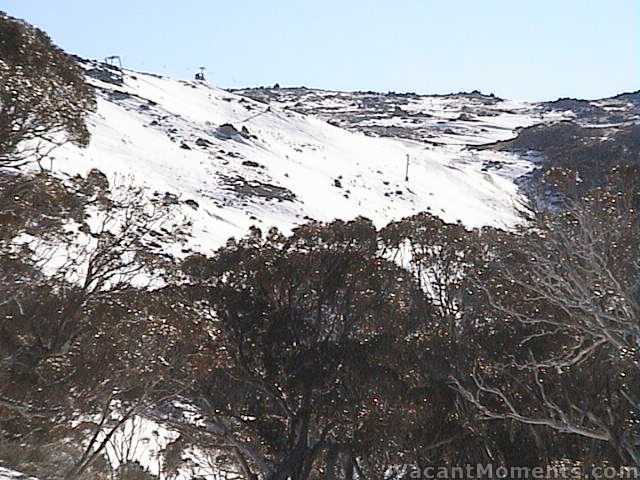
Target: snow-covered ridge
point(234, 162)
point(455, 119)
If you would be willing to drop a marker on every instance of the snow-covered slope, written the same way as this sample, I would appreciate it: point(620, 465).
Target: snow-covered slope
point(236, 162)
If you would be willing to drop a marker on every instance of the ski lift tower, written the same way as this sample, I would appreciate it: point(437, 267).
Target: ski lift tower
point(200, 76)
point(115, 62)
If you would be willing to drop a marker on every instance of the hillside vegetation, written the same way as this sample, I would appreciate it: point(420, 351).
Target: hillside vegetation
point(164, 330)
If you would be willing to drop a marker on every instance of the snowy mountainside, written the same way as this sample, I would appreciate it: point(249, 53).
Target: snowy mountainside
point(235, 162)
point(465, 118)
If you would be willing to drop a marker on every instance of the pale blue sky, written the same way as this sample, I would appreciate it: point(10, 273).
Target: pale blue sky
point(523, 49)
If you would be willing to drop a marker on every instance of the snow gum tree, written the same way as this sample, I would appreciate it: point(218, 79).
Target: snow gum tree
point(44, 99)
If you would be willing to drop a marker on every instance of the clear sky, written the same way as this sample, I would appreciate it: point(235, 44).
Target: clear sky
point(522, 49)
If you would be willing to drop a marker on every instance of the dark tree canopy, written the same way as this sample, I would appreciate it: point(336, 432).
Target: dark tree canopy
point(336, 352)
point(312, 325)
point(44, 99)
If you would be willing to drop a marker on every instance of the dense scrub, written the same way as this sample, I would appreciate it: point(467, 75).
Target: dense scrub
point(337, 349)
point(588, 154)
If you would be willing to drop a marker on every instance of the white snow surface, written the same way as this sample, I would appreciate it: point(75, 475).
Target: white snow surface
point(286, 169)
point(6, 474)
